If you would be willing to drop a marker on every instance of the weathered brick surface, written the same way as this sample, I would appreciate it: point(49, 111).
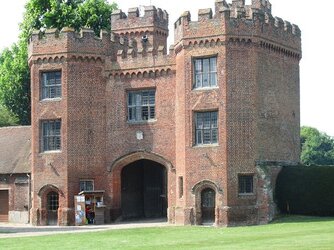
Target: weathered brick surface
point(257, 100)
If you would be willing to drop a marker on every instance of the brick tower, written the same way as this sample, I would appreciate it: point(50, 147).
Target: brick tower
point(197, 135)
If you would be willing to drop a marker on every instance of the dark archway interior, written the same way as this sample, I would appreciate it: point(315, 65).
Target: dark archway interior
point(208, 200)
point(144, 190)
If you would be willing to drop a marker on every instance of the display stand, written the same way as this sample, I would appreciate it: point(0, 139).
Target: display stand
point(89, 207)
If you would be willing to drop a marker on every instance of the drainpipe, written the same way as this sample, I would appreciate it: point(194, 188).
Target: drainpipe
point(29, 197)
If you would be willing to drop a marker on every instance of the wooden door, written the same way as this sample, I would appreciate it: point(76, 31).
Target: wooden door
point(4, 205)
point(52, 208)
point(132, 192)
point(208, 197)
point(154, 195)
point(144, 192)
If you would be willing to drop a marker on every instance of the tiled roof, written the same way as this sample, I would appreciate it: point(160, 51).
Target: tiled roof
point(15, 150)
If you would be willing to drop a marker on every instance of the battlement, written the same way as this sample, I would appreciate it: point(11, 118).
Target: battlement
point(149, 31)
point(68, 41)
point(153, 17)
point(118, 48)
point(237, 18)
point(66, 33)
point(134, 63)
point(132, 59)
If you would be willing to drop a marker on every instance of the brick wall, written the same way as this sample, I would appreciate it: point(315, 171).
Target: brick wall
point(18, 196)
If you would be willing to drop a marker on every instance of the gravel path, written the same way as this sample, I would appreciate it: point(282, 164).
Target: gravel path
point(23, 230)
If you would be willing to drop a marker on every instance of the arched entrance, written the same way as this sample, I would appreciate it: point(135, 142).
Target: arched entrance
point(208, 204)
point(144, 190)
point(52, 204)
point(208, 196)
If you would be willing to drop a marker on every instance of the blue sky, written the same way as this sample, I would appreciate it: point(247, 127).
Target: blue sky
point(313, 17)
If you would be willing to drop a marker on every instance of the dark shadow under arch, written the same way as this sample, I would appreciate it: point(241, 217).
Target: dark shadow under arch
point(140, 155)
point(199, 186)
point(48, 188)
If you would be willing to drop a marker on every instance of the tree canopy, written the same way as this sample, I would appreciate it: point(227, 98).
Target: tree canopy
point(94, 14)
point(7, 118)
point(15, 82)
point(43, 14)
point(317, 147)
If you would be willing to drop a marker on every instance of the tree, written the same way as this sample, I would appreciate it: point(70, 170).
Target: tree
point(317, 147)
point(39, 15)
point(15, 82)
point(7, 118)
point(45, 14)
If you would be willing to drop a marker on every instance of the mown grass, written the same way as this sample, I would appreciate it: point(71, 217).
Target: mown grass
point(292, 232)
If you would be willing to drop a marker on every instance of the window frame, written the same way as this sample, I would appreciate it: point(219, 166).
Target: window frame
point(85, 184)
point(203, 129)
point(45, 138)
point(52, 202)
point(45, 88)
point(136, 104)
point(242, 184)
point(181, 189)
point(200, 72)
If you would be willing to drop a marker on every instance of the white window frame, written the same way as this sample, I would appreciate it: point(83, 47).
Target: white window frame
point(51, 82)
point(205, 72)
point(50, 135)
point(206, 124)
point(84, 182)
point(141, 105)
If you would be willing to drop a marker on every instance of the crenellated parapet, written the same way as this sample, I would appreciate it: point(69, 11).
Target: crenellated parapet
point(68, 43)
point(237, 20)
point(132, 57)
point(134, 62)
point(150, 31)
point(153, 17)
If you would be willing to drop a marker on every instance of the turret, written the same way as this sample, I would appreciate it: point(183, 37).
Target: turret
point(150, 30)
point(237, 19)
point(67, 41)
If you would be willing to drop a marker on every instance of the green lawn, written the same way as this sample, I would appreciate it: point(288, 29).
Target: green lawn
point(295, 232)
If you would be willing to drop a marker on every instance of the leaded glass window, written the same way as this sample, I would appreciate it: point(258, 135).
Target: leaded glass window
point(51, 85)
point(141, 105)
point(205, 72)
point(51, 135)
point(206, 127)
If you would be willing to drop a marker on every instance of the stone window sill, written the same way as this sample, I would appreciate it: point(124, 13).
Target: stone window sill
point(141, 122)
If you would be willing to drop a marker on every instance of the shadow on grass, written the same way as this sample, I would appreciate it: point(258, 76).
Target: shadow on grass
point(14, 230)
point(300, 219)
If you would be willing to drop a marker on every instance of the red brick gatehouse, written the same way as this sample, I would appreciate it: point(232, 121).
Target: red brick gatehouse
point(193, 133)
